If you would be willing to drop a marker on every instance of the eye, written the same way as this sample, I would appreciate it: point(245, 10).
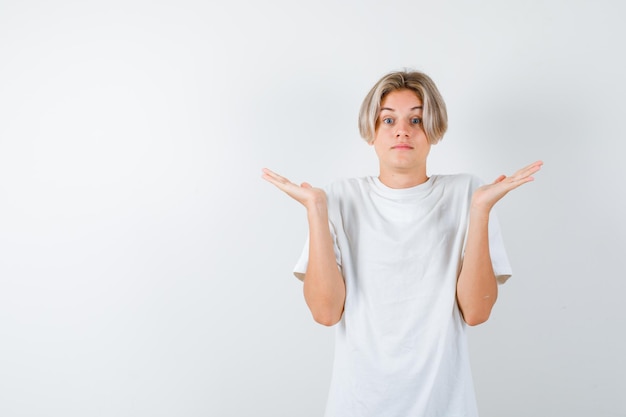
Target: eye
point(387, 120)
point(416, 120)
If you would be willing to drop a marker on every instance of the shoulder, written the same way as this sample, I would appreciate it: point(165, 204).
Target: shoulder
point(457, 186)
point(462, 180)
point(347, 193)
point(348, 186)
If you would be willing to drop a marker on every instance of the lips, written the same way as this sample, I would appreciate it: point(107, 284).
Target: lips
point(402, 147)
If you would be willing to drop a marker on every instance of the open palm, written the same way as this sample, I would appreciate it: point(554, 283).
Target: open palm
point(488, 195)
point(304, 193)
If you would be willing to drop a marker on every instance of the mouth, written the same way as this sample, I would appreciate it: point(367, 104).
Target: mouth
point(401, 147)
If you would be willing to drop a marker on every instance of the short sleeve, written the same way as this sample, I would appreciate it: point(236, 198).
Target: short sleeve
point(499, 258)
point(300, 269)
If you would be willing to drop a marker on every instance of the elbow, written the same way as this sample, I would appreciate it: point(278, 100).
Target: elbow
point(326, 307)
point(476, 308)
point(475, 321)
point(476, 318)
point(326, 318)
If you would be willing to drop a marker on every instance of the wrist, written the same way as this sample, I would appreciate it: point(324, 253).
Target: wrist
point(317, 207)
point(479, 212)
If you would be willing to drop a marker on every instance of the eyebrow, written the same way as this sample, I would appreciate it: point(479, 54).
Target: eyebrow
point(390, 109)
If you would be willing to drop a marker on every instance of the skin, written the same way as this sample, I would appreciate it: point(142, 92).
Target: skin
point(400, 142)
point(402, 149)
point(324, 287)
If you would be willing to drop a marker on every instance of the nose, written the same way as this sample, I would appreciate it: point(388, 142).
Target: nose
point(402, 130)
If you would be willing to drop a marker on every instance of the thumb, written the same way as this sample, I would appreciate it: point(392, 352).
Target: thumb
point(306, 185)
point(499, 179)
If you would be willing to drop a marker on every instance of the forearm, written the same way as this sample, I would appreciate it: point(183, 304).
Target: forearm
point(477, 288)
point(324, 287)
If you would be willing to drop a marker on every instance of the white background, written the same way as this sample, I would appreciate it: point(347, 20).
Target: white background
point(145, 268)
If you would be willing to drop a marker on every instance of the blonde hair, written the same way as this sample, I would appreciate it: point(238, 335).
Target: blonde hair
point(435, 116)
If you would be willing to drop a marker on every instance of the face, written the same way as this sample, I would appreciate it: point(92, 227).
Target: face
point(400, 141)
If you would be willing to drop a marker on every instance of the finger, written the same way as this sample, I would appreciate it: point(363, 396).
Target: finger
point(529, 169)
point(271, 174)
point(499, 179)
point(274, 178)
point(524, 175)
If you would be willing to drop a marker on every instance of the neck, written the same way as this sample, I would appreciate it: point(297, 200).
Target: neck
point(403, 179)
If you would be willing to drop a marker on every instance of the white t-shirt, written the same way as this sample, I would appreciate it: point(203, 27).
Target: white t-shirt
point(401, 347)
